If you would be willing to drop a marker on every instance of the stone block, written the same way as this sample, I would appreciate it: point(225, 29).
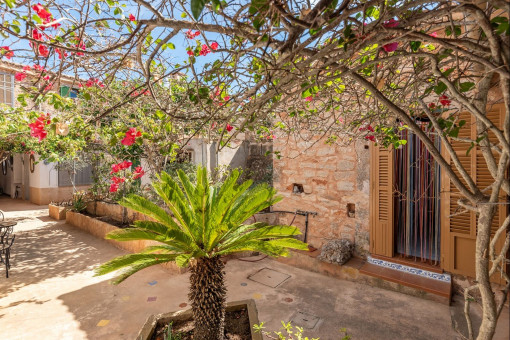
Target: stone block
point(345, 165)
point(337, 251)
point(345, 186)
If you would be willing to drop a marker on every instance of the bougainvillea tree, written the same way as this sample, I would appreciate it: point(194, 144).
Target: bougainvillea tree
point(332, 67)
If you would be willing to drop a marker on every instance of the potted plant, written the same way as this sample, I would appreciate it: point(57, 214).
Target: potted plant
point(204, 223)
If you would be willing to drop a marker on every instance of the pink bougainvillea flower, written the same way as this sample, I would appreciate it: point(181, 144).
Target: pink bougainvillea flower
point(26, 68)
point(205, 50)
point(190, 53)
point(114, 187)
point(444, 100)
point(229, 127)
point(41, 12)
point(433, 34)
point(43, 51)
point(20, 76)
point(132, 17)
point(227, 98)
point(46, 77)
point(138, 172)
point(6, 52)
point(391, 47)
point(392, 23)
point(309, 98)
point(48, 87)
point(214, 46)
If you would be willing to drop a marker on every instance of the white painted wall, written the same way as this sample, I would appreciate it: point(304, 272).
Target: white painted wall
point(45, 175)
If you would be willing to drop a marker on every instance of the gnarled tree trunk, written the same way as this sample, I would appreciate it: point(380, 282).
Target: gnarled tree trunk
point(207, 296)
point(489, 309)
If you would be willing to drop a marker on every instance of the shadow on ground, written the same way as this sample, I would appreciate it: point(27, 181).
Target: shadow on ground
point(52, 252)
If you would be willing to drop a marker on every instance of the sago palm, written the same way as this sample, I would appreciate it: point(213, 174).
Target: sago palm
point(202, 224)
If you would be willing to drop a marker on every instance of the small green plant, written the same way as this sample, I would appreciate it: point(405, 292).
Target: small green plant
point(79, 203)
point(289, 332)
point(170, 336)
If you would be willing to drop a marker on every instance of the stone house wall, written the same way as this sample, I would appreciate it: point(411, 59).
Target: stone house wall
point(332, 177)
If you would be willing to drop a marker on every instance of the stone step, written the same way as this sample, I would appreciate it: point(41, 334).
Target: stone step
point(358, 270)
point(439, 284)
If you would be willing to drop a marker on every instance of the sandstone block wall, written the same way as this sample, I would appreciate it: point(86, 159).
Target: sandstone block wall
point(332, 177)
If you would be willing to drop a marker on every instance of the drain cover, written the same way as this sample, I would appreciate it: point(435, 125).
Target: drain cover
point(269, 277)
point(305, 320)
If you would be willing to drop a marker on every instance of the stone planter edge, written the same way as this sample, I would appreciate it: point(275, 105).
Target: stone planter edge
point(57, 212)
point(150, 325)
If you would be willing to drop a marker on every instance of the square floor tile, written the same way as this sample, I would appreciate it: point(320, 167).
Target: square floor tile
point(269, 277)
point(305, 320)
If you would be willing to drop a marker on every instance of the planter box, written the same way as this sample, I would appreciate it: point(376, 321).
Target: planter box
point(57, 212)
point(100, 229)
point(114, 211)
point(150, 325)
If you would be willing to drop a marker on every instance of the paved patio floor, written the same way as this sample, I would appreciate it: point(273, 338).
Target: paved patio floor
point(52, 293)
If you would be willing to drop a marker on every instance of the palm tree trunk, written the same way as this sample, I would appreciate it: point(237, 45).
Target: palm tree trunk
point(207, 296)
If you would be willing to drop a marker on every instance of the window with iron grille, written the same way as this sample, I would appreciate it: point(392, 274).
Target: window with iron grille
point(7, 89)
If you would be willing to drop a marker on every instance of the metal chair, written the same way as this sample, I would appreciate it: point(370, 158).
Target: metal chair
point(5, 253)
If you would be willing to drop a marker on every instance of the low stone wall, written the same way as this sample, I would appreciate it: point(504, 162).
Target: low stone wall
point(100, 229)
point(57, 212)
point(114, 211)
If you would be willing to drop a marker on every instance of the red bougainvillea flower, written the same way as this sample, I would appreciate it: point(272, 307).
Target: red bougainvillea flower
point(37, 35)
point(61, 54)
point(432, 106)
point(48, 87)
point(115, 168)
point(43, 51)
point(131, 135)
point(370, 138)
point(125, 165)
point(118, 180)
point(214, 46)
point(190, 35)
point(26, 68)
point(227, 98)
point(444, 100)
point(37, 127)
point(433, 34)
point(132, 17)
point(138, 172)
point(190, 53)
point(309, 98)
point(20, 76)
point(391, 23)
point(367, 128)
point(229, 127)
point(391, 47)
point(42, 12)
point(205, 50)
point(6, 52)
point(114, 187)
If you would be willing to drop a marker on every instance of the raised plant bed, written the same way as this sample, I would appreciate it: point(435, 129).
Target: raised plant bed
point(99, 228)
point(57, 212)
point(239, 321)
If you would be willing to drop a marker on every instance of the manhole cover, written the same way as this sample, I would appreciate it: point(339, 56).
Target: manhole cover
point(305, 320)
point(269, 277)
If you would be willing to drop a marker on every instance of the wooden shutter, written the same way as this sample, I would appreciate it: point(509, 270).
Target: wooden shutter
point(381, 201)
point(458, 238)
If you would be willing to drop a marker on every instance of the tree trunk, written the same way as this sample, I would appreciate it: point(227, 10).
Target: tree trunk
point(207, 296)
point(489, 314)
